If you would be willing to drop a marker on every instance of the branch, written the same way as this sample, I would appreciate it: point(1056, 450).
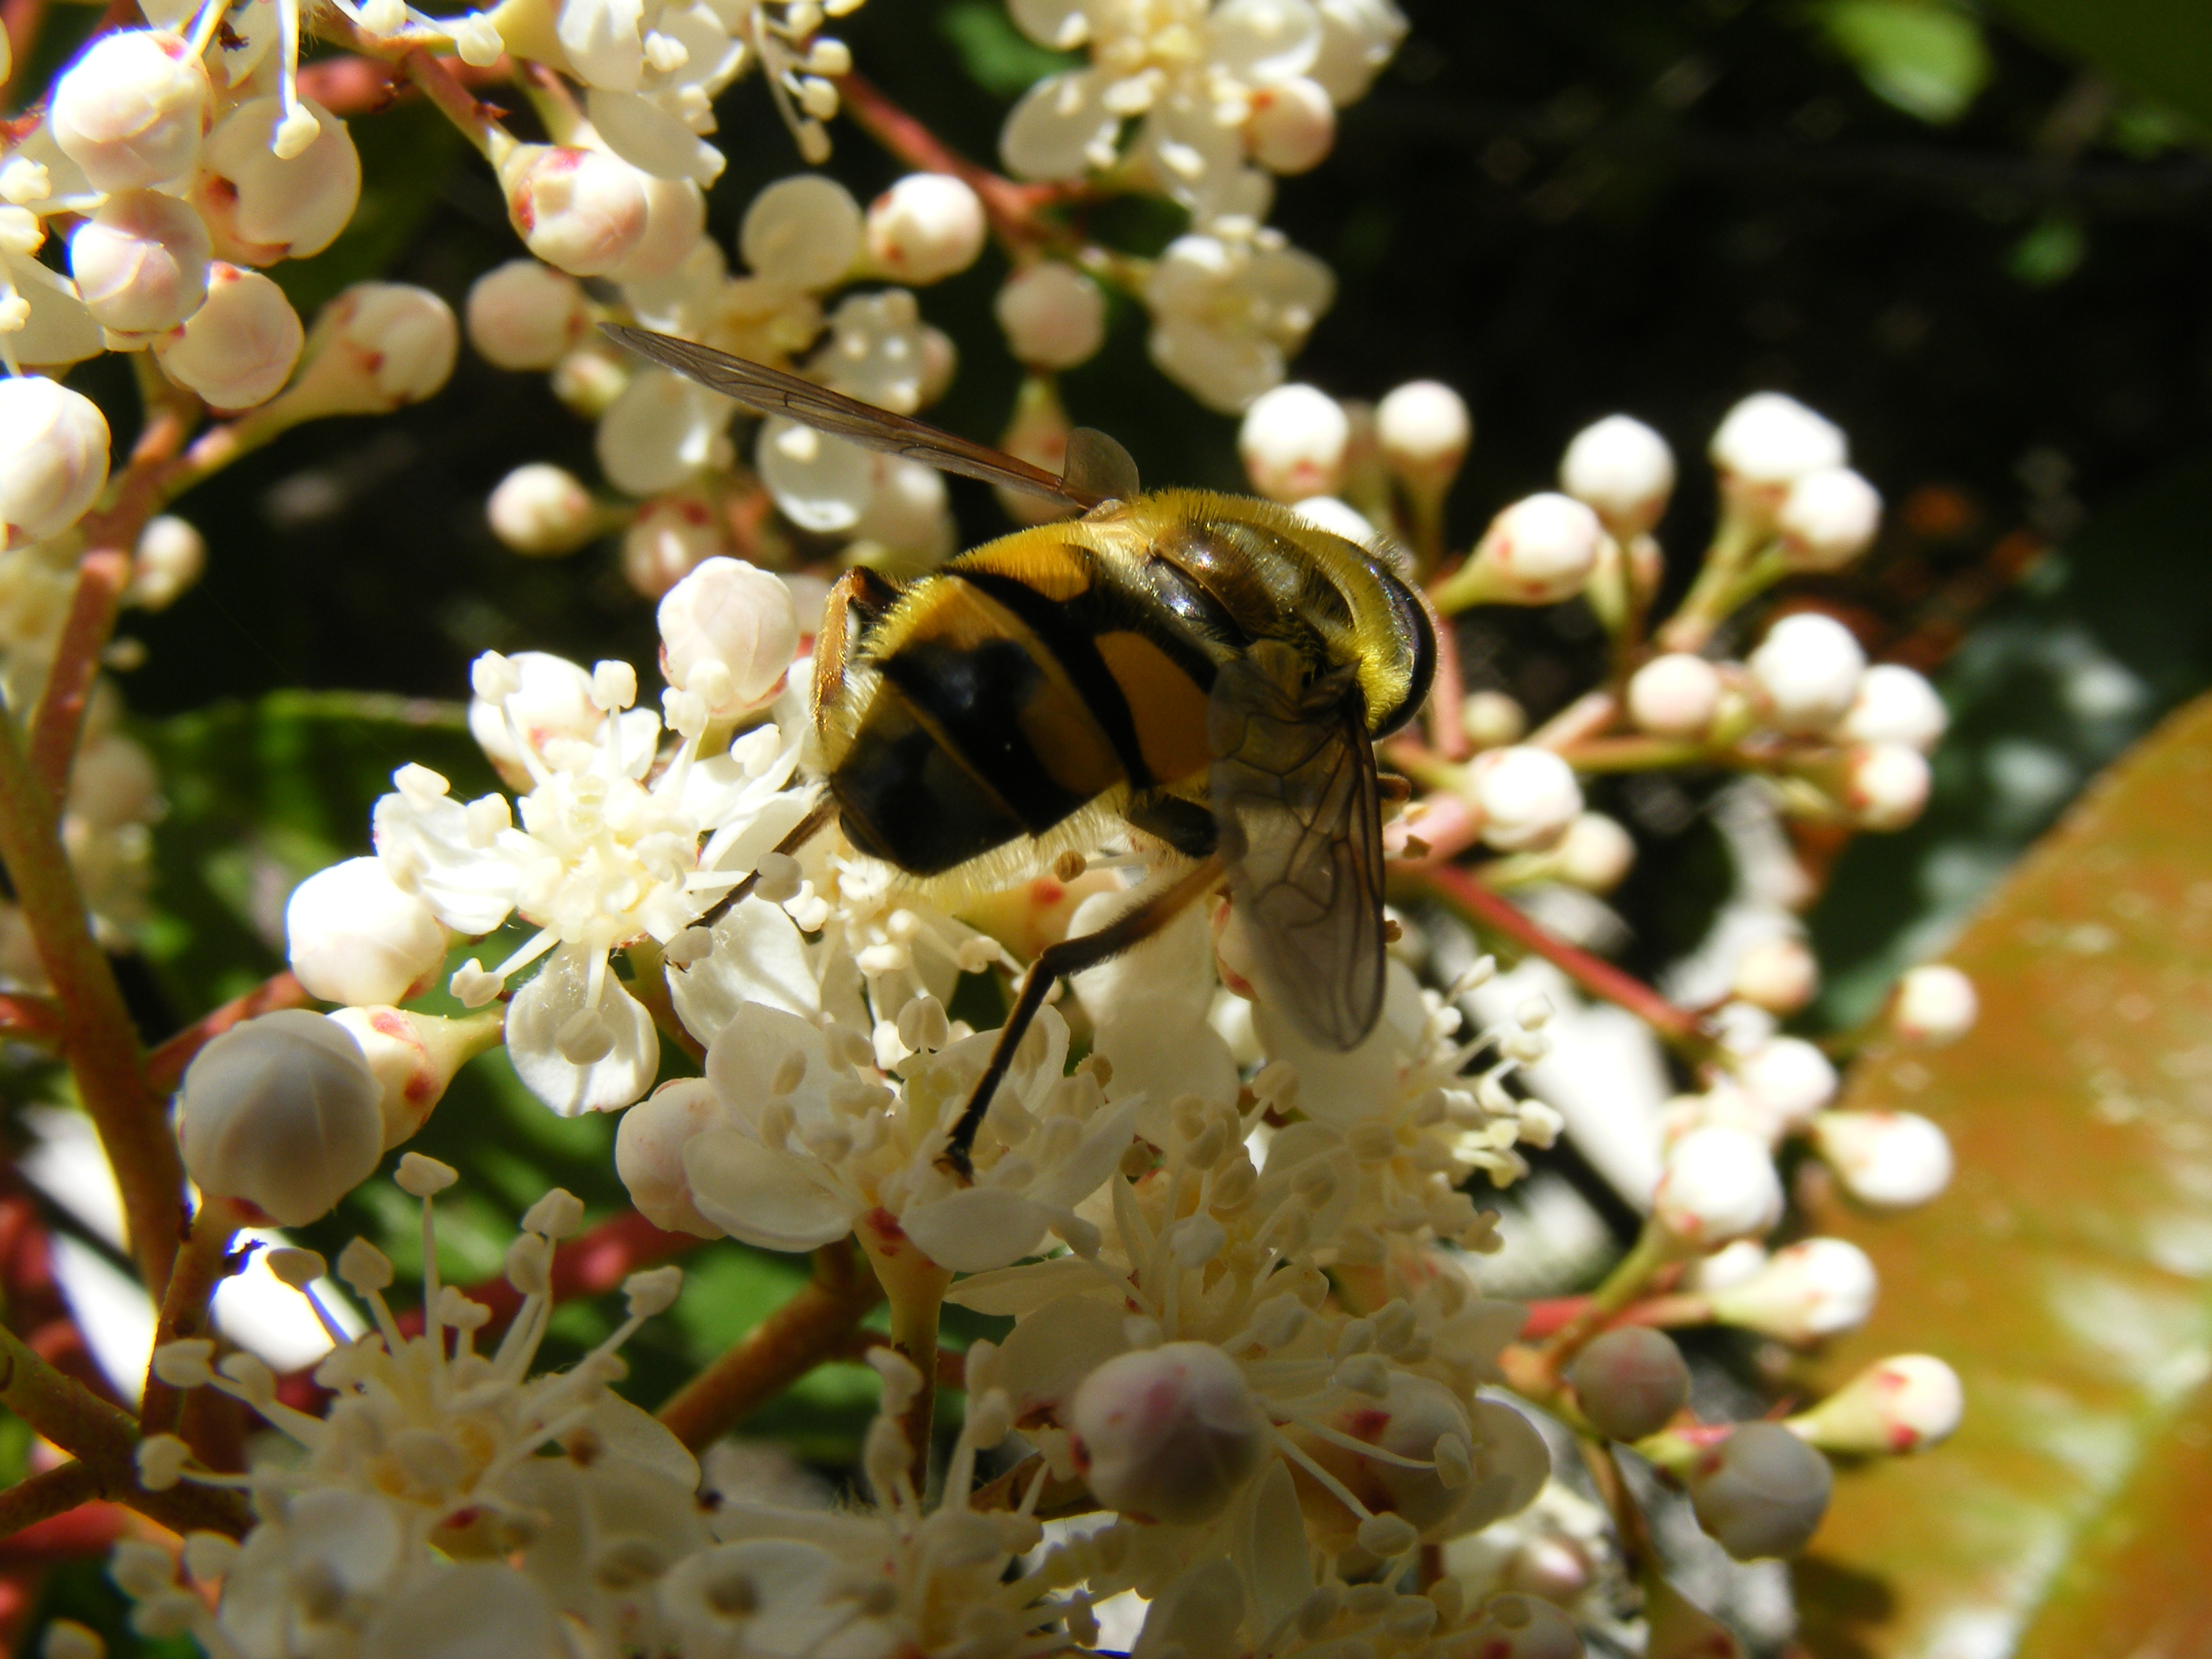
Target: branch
point(203, 1264)
point(165, 1066)
point(46, 1495)
point(1012, 207)
point(30, 1019)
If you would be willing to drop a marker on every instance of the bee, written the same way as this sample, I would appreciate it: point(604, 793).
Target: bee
point(1208, 669)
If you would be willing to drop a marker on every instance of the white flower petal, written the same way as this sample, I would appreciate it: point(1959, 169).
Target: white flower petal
point(1060, 128)
point(760, 959)
point(747, 1055)
point(1046, 1357)
point(820, 482)
point(425, 850)
point(1342, 1089)
point(771, 1198)
point(1105, 1138)
point(59, 330)
point(1018, 1291)
point(535, 1021)
point(976, 1228)
point(651, 139)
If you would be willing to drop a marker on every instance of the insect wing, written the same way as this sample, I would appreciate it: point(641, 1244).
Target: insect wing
point(771, 392)
point(1300, 827)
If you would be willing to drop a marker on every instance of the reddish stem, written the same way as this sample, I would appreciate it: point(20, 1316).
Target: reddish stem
point(165, 1066)
point(102, 576)
point(1446, 695)
point(1012, 208)
point(349, 84)
point(30, 1019)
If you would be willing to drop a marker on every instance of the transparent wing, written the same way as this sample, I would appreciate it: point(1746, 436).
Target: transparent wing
point(1300, 827)
point(772, 392)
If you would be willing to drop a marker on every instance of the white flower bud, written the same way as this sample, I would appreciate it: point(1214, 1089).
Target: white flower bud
point(262, 207)
point(239, 348)
point(354, 936)
point(675, 228)
point(1779, 975)
point(926, 226)
point(140, 262)
point(804, 232)
point(113, 783)
point(649, 1153)
point(820, 482)
point(1814, 1288)
point(1893, 704)
point(1933, 1004)
point(1167, 1434)
point(1423, 429)
point(1539, 551)
point(1596, 854)
point(727, 632)
point(1718, 1185)
point(1055, 316)
point(1885, 785)
point(1769, 441)
point(525, 314)
point(1905, 1403)
point(1621, 469)
point(1631, 1382)
point(578, 210)
point(661, 431)
point(1292, 125)
point(1491, 720)
point(282, 1112)
point(1293, 441)
point(1675, 695)
point(1328, 513)
point(1761, 1492)
point(1828, 518)
point(1788, 1079)
point(377, 347)
point(53, 457)
point(1528, 796)
point(1807, 671)
point(541, 510)
point(131, 109)
point(908, 513)
point(169, 557)
point(1895, 1159)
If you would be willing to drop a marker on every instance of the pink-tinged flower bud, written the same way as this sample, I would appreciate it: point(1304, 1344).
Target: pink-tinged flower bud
point(1540, 550)
point(239, 348)
point(577, 209)
point(1515, 1626)
point(1895, 705)
point(1055, 316)
point(1293, 441)
point(541, 511)
point(1891, 1158)
point(1528, 796)
point(1167, 1434)
point(1765, 444)
point(675, 225)
point(282, 1112)
point(1292, 125)
point(1789, 1079)
point(1718, 1185)
point(1807, 670)
point(377, 347)
point(1631, 1382)
point(414, 1057)
point(140, 262)
point(262, 207)
point(1905, 1403)
point(672, 536)
point(1623, 470)
point(53, 457)
point(1779, 975)
point(1885, 785)
point(1491, 720)
point(1828, 518)
point(1933, 1004)
point(1760, 1492)
point(803, 234)
point(1680, 1629)
point(649, 1153)
point(1596, 854)
point(1675, 695)
point(170, 556)
point(926, 226)
point(1814, 1288)
point(1423, 429)
point(727, 632)
point(353, 935)
point(525, 314)
point(131, 109)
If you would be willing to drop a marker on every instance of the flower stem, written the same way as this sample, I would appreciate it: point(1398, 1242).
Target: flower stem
point(1652, 1251)
point(203, 1264)
point(166, 1064)
point(914, 1285)
point(46, 1494)
point(1011, 208)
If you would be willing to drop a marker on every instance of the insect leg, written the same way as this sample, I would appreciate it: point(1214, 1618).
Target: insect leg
point(817, 819)
point(1070, 955)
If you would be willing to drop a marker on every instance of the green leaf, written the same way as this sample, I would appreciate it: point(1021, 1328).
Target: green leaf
point(997, 55)
point(2160, 48)
point(1925, 59)
point(2067, 1275)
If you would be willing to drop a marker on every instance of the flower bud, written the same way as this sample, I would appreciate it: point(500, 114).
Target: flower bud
point(414, 1057)
point(525, 314)
point(1779, 975)
point(577, 209)
point(1631, 1382)
point(590, 379)
point(1891, 1158)
point(1596, 854)
point(1828, 518)
point(140, 262)
point(1718, 1185)
point(170, 556)
point(1055, 316)
point(1765, 444)
point(662, 430)
point(282, 1112)
point(1167, 1434)
point(1905, 1403)
point(1761, 1492)
point(1814, 1288)
point(926, 226)
point(261, 207)
point(354, 936)
point(1933, 1004)
point(909, 514)
point(238, 348)
point(1492, 719)
point(727, 632)
point(1422, 428)
point(1675, 695)
point(1807, 670)
point(1293, 441)
point(1515, 1626)
point(541, 511)
point(1623, 470)
point(1885, 785)
point(672, 536)
point(131, 109)
point(804, 232)
point(675, 228)
point(53, 457)
point(377, 347)
point(649, 1153)
point(1326, 512)
point(1292, 125)
point(1528, 796)
point(1540, 550)
point(1787, 1078)
point(1894, 705)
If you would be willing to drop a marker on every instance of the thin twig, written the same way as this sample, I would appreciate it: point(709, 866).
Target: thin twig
point(46, 1494)
point(30, 1019)
point(1012, 208)
point(165, 1065)
point(204, 1263)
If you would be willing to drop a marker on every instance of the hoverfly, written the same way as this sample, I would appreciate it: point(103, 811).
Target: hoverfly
point(1209, 669)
